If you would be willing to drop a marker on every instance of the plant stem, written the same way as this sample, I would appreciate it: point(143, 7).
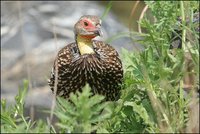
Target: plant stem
point(183, 22)
point(156, 104)
point(24, 121)
point(108, 7)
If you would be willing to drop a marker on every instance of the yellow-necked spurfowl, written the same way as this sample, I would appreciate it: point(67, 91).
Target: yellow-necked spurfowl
point(87, 61)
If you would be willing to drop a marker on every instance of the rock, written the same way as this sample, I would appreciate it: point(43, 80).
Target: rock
point(48, 8)
point(4, 30)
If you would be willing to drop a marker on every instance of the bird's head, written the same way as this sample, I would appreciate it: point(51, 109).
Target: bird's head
point(88, 26)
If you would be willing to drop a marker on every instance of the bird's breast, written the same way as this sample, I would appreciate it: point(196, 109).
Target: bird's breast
point(88, 65)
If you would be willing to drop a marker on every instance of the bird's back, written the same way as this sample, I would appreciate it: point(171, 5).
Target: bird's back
point(101, 70)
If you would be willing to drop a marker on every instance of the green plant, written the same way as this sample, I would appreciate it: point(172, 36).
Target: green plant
point(152, 97)
point(13, 119)
point(83, 113)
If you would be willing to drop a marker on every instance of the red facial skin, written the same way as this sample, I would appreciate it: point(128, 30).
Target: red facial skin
point(88, 36)
point(88, 26)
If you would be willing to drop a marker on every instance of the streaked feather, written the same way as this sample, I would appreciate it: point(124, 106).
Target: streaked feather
point(101, 70)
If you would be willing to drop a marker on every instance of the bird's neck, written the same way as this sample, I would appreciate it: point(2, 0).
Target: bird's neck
point(84, 45)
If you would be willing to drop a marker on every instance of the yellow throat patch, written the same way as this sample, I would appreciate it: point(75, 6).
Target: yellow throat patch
point(85, 45)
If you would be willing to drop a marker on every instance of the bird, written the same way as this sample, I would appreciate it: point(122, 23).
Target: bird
point(87, 61)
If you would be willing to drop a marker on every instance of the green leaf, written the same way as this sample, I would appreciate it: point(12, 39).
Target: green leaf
point(6, 119)
point(108, 7)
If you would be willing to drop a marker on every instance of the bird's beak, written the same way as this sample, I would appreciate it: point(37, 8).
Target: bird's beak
point(98, 31)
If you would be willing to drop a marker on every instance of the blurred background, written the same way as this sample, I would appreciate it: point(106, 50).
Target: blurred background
point(33, 32)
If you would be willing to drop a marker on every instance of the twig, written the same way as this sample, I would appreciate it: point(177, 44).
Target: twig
point(24, 43)
point(131, 15)
point(130, 18)
point(56, 81)
point(141, 16)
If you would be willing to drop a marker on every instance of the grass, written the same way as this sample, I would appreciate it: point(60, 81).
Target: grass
point(152, 96)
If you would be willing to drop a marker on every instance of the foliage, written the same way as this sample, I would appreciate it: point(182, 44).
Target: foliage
point(152, 97)
point(12, 117)
point(83, 113)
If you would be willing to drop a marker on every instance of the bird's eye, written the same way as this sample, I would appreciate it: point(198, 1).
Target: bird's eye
point(85, 23)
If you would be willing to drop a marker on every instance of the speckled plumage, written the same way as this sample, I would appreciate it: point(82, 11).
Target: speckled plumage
point(87, 61)
point(102, 71)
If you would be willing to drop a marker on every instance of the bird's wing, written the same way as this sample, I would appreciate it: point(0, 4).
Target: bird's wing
point(110, 56)
point(62, 63)
point(112, 69)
